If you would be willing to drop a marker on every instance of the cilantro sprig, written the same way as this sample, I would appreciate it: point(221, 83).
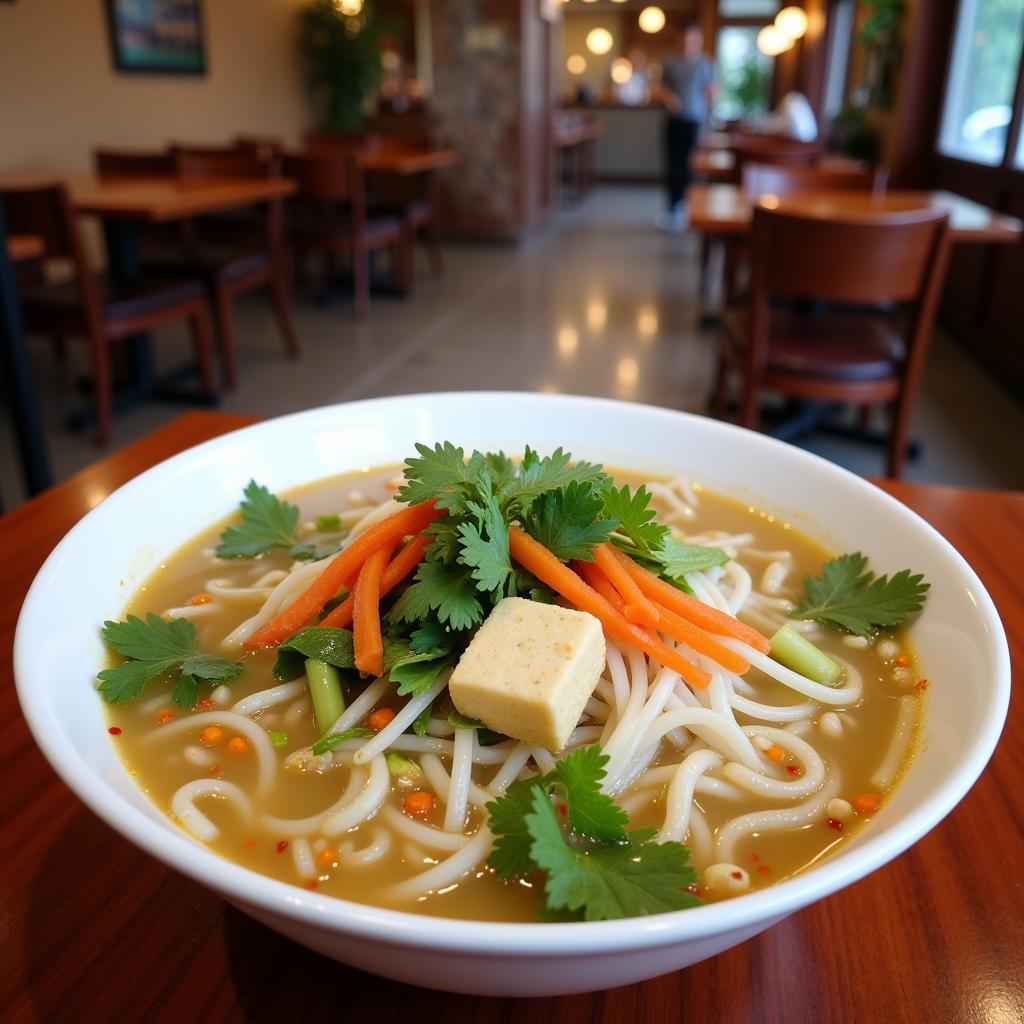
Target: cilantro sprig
point(270, 524)
point(595, 868)
point(849, 595)
point(154, 648)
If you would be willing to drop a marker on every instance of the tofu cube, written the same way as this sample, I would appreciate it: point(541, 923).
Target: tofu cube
point(530, 670)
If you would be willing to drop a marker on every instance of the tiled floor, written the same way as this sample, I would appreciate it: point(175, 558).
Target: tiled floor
point(599, 304)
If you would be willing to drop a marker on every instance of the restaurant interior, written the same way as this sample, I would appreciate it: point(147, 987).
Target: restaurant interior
point(323, 200)
point(802, 217)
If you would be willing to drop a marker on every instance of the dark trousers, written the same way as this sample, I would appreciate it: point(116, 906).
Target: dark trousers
point(680, 138)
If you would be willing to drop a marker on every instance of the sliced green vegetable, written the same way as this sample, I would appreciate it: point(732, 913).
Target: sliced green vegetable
point(325, 692)
point(790, 648)
point(402, 768)
point(278, 739)
point(324, 643)
point(325, 743)
point(330, 523)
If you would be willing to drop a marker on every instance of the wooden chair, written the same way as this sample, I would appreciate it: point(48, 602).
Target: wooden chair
point(855, 257)
point(134, 163)
point(331, 217)
point(791, 179)
point(95, 307)
point(415, 198)
point(775, 150)
point(237, 256)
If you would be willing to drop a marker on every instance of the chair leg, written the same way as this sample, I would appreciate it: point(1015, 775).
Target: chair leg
point(899, 433)
point(403, 256)
point(225, 335)
point(718, 395)
point(283, 313)
point(434, 246)
point(360, 284)
point(99, 350)
point(202, 346)
point(748, 403)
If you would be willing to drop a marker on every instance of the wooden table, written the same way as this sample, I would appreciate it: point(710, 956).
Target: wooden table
point(404, 162)
point(728, 210)
point(91, 929)
point(574, 141)
point(718, 164)
point(24, 247)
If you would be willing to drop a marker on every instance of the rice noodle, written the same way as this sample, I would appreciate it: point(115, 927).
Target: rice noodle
point(834, 696)
point(401, 721)
point(510, 770)
point(225, 593)
point(419, 832)
point(905, 720)
point(193, 820)
point(302, 857)
point(771, 821)
point(192, 611)
point(679, 800)
point(268, 698)
point(458, 794)
point(314, 823)
point(448, 872)
point(780, 789)
point(378, 846)
point(366, 804)
point(724, 736)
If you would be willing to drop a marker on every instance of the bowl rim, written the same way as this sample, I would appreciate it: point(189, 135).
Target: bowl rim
point(501, 939)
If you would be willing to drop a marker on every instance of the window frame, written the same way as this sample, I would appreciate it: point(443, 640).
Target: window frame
point(1006, 164)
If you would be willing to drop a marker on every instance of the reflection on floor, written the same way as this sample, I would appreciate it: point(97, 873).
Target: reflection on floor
point(599, 304)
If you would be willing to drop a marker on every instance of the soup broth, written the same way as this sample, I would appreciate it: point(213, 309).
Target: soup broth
point(863, 745)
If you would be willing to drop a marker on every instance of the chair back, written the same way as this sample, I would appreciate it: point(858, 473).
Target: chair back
point(198, 163)
point(792, 179)
point(773, 149)
point(266, 147)
point(127, 163)
point(45, 211)
point(316, 138)
point(326, 175)
point(844, 251)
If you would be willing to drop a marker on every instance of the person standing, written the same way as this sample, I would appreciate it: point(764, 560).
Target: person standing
point(686, 90)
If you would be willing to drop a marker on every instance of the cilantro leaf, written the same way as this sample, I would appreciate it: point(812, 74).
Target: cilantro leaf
point(849, 595)
point(510, 856)
point(568, 521)
point(312, 553)
point(430, 635)
point(449, 591)
point(591, 812)
point(554, 471)
point(603, 871)
point(267, 523)
point(324, 643)
point(635, 516)
point(415, 673)
point(331, 740)
point(420, 725)
point(613, 881)
point(484, 545)
point(675, 559)
point(441, 473)
point(156, 647)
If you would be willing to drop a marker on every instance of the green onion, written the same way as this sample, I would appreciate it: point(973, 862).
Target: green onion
point(325, 692)
point(402, 768)
point(325, 743)
point(328, 523)
point(794, 651)
point(458, 721)
point(278, 739)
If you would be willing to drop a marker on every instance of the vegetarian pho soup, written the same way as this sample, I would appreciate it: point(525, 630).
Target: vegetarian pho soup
point(529, 698)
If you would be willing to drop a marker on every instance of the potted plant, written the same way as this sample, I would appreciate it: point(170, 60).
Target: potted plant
point(338, 41)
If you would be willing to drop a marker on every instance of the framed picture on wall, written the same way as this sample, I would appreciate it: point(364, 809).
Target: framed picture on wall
point(157, 36)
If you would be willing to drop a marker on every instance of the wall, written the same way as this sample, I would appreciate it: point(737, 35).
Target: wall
point(575, 26)
point(60, 96)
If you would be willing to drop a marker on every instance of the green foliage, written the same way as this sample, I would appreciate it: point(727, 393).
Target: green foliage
point(342, 62)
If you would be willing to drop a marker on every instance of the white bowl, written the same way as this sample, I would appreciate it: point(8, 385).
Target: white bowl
point(91, 573)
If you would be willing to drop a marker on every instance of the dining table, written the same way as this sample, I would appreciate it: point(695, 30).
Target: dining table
point(719, 164)
point(92, 929)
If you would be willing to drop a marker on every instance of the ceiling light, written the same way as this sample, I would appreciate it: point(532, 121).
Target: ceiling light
point(599, 41)
point(791, 22)
point(576, 64)
point(652, 19)
point(622, 71)
point(771, 42)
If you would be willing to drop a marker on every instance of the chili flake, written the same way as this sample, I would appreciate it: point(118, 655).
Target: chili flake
point(114, 730)
point(834, 823)
point(282, 846)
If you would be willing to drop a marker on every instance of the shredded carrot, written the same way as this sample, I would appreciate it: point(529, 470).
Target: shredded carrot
point(340, 570)
point(536, 558)
point(237, 746)
point(776, 753)
point(328, 857)
point(205, 703)
point(215, 770)
point(674, 625)
point(200, 599)
point(163, 716)
point(418, 804)
point(380, 718)
point(366, 634)
point(397, 569)
point(866, 803)
point(636, 608)
point(211, 735)
point(697, 612)
point(902, 660)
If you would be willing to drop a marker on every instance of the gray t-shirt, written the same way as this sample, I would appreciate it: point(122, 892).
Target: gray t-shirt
point(689, 78)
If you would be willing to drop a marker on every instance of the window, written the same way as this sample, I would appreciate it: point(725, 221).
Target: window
point(744, 74)
point(838, 59)
point(748, 9)
point(982, 77)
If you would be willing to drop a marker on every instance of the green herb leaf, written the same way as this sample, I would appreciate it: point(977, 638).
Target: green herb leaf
point(445, 591)
point(441, 473)
point(331, 740)
point(554, 471)
point(510, 857)
point(849, 595)
point(675, 559)
point(313, 553)
point(484, 545)
point(635, 516)
point(322, 643)
point(568, 521)
point(416, 673)
point(156, 647)
point(422, 721)
point(459, 721)
point(330, 523)
point(267, 523)
point(608, 882)
point(591, 812)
